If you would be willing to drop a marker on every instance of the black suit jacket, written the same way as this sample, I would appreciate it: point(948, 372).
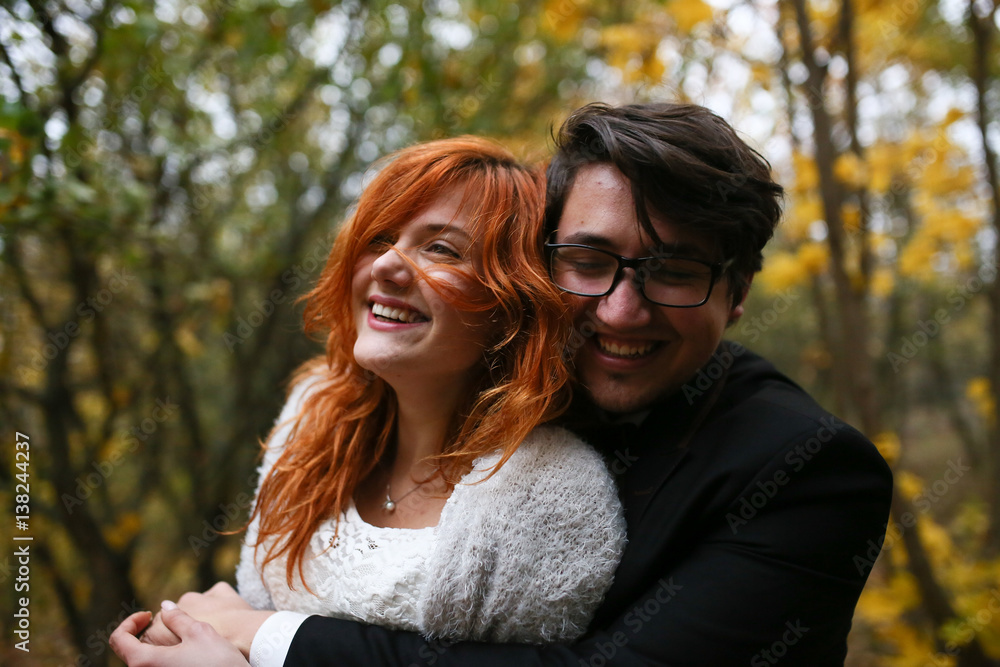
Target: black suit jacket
point(754, 517)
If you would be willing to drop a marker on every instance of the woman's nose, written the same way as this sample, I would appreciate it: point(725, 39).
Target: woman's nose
point(392, 267)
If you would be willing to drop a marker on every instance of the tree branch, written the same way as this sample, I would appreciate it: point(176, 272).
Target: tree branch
point(12, 252)
point(15, 77)
point(983, 29)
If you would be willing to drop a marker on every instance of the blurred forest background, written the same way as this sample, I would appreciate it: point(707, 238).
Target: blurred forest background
point(171, 173)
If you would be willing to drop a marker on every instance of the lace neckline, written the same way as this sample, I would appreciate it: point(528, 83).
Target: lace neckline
point(351, 514)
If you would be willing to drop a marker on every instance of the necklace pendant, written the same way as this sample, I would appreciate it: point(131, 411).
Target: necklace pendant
point(389, 506)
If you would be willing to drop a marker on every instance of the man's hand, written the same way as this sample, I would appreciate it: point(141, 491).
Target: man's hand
point(223, 609)
point(199, 643)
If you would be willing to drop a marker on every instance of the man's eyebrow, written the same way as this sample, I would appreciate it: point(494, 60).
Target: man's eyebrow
point(679, 248)
point(587, 238)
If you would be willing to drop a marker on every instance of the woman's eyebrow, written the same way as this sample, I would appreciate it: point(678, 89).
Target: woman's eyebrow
point(438, 228)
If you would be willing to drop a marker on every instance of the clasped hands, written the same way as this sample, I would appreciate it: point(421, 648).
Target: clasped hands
point(211, 628)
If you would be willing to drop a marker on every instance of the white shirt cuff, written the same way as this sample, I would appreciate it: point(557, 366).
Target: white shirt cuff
point(273, 639)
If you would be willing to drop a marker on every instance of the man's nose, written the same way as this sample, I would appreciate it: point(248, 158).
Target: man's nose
point(625, 307)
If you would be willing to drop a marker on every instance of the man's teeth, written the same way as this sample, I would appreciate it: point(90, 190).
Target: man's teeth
point(398, 314)
point(624, 349)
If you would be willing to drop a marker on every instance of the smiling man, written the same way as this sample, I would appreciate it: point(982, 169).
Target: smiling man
point(751, 511)
point(639, 352)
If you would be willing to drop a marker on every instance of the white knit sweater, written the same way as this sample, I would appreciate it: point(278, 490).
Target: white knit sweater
point(525, 556)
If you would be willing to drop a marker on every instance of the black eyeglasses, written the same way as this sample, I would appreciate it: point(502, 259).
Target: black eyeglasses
point(665, 279)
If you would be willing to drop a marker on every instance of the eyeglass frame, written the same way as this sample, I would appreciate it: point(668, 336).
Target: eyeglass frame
point(718, 269)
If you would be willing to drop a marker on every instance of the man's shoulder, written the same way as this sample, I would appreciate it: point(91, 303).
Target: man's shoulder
point(756, 390)
point(755, 413)
point(764, 415)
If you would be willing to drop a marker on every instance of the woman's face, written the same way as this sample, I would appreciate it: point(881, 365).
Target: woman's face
point(407, 332)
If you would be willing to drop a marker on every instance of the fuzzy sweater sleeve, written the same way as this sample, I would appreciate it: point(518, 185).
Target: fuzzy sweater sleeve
point(527, 555)
point(249, 582)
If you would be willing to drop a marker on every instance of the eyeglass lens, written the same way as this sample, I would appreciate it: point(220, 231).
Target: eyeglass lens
point(669, 281)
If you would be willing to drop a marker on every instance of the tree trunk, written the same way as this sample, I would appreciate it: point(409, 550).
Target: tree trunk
point(983, 34)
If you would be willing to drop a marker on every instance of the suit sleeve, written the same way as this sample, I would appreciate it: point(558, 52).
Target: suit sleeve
point(774, 575)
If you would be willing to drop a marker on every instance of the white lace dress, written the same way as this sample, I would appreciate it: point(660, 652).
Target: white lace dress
point(525, 556)
point(367, 573)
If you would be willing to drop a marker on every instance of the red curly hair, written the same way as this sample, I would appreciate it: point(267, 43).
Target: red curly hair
point(348, 421)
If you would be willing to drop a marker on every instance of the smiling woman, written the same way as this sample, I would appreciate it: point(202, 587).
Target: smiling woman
point(409, 481)
point(398, 286)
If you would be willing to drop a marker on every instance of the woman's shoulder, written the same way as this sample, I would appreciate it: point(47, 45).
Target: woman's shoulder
point(530, 551)
point(552, 472)
point(548, 449)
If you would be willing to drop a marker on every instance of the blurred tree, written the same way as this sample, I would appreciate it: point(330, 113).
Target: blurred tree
point(171, 175)
point(888, 187)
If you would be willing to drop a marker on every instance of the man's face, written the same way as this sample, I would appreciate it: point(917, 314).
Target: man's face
point(640, 350)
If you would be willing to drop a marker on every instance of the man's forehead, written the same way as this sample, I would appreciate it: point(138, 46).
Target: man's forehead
point(672, 239)
point(600, 211)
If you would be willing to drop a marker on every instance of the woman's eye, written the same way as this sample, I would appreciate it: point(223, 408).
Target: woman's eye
point(381, 242)
point(442, 249)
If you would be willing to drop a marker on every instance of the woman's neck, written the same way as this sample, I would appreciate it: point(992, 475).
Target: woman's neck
point(425, 413)
point(409, 480)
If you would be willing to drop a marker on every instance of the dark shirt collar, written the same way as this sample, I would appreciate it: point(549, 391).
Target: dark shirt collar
point(675, 417)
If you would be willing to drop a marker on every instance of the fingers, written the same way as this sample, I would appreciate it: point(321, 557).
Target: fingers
point(124, 640)
point(220, 592)
point(201, 645)
point(182, 624)
point(158, 634)
point(222, 589)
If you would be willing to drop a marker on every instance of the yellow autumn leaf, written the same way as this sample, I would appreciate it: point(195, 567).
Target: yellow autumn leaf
point(912, 648)
point(802, 212)
point(910, 484)
point(562, 18)
point(92, 405)
point(936, 540)
point(883, 163)
point(188, 341)
point(782, 271)
point(958, 632)
point(120, 534)
point(980, 393)
point(964, 257)
point(899, 595)
point(888, 446)
point(653, 68)
point(234, 38)
point(882, 282)
point(762, 73)
point(814, 257)
point(953, 116)
point(806, 177)
point(622, 42)
point(689, 13)
point(916, 259)
point(817, 356)
point(850, 215)
point(851, 170)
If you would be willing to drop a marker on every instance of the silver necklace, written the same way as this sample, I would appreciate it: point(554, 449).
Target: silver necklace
point(389, 505)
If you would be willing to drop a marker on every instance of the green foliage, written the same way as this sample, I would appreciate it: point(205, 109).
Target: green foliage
point(171, 175)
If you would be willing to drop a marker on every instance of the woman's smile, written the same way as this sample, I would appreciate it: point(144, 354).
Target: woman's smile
point(409, 329)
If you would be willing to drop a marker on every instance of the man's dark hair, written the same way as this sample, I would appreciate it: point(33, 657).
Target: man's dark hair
point(685, 163)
